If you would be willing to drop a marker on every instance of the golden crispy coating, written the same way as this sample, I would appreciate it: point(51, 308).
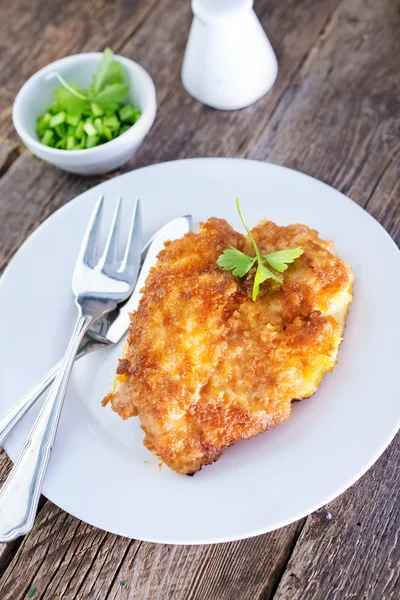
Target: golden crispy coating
point(205, 366)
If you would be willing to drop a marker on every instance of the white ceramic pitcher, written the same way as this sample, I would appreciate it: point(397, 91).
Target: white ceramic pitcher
point(229, 62)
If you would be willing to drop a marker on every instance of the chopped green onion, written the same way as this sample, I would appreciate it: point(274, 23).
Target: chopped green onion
point(61, 144)
point(92, 141)
point(57, 119)
point(71, 142)
point(79, 131)
point(124, 128)
point(89, 128)
point(84, 118)
point(48, 138)
point(82, 144)
point(61, 130)
point(46, 118)
point(43, 123)
point(126, 112)
point(55, 108)
point(107, 133)
point(98, 125)
point(73, 120)
point(136, 116)
point(111, 122)
point(96, 110)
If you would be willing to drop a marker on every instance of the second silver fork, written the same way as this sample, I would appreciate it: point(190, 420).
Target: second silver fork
point(100, 282)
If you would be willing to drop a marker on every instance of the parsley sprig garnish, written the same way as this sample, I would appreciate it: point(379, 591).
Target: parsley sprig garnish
point(107, 90)
point(240, 263)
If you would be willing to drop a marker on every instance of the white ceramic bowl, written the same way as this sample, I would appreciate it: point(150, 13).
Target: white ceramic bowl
point(36, 95)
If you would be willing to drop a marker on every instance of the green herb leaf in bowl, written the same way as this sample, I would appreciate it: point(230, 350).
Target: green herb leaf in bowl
point(80, 119)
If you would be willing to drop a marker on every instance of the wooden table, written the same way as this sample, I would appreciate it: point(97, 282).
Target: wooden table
point(334, 113)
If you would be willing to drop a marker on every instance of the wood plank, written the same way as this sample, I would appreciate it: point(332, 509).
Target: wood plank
point(52, 537)
point(29, 192)
point(32, 190)
point(5, 466)
point(7, 156)
point(384, 203)
point(65, 558)
point(190, 572)
point(7, 551)
point(55, 29)
point(349, 549)
point(199, 563)
point(187, 128)
point(338, 120)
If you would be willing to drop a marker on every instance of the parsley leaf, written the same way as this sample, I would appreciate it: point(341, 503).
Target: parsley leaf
point(71, 97)
point(114, 74)
point(262, 274)
point(102, 71)
point(112, 94)
point(239, 263)
point(281, 259)
point(108, 89)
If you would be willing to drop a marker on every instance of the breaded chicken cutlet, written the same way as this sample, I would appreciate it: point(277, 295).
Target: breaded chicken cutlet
point(204, 365)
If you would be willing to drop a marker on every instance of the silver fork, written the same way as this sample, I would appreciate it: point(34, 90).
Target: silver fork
point(106, 331)
point(100, 282)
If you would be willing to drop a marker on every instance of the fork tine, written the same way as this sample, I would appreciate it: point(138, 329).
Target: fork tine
point(111, 248)
point(89, 247)
point(131, 261)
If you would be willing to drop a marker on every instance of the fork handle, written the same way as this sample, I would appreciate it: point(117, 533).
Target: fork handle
point(16, 412)
point(20, 494)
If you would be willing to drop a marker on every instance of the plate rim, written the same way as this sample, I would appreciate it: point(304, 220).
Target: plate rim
point(77, 198)
point(259, 531)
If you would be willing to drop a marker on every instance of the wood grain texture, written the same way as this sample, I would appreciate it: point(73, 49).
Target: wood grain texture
point(7, 156)
point(234, 570)
point(7, 551)
point(5, 466)
point(64, 558)
point(186, 128)
point(332, 113)
point(55, 29)
point(54, 535)
point(339, 119)
point(384, 203)
point(349, 549)
point(339, 122)
point(29, 192)
point(32, 190)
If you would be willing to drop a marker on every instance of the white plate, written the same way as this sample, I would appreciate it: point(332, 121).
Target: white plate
point(101, 472)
